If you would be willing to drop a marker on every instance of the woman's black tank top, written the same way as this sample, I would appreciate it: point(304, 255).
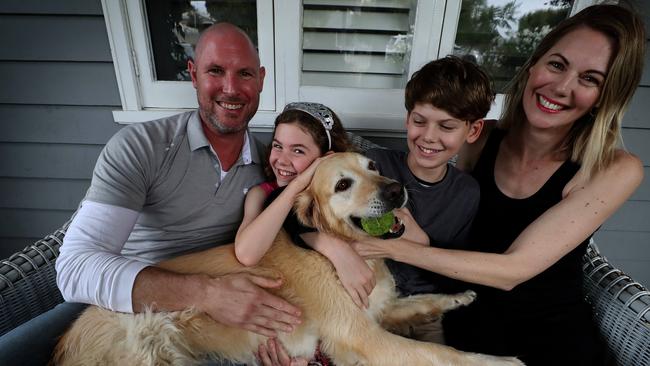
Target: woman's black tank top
point(530, 320)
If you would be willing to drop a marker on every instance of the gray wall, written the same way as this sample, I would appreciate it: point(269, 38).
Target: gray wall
point(625, 237)
point(58, 90)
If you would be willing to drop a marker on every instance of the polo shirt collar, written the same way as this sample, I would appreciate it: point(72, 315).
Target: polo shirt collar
point(197, 140)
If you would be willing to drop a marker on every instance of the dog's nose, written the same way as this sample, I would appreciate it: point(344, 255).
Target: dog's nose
point(393, 193)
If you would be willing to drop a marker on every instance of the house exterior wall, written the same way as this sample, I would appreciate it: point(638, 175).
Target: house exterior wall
point(625, 237)
point(59, 89)
point(57, 93)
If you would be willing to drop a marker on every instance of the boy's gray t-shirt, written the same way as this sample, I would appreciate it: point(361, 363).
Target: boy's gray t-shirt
point(166, 170)
point(444, 210)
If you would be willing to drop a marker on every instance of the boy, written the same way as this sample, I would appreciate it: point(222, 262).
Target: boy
point(446, 101)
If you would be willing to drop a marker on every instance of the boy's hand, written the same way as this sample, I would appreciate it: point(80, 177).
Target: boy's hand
point(412, 231)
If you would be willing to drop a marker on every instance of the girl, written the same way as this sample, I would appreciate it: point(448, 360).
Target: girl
point(303, 133)
point(550, 174)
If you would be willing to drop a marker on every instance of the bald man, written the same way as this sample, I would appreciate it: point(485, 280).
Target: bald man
point(167, 187)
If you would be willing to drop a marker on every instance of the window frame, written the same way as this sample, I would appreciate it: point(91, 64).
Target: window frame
point(378, 112)
point(144, 98)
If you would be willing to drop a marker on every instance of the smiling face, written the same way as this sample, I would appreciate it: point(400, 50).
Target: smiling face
point(433, 137)
point(565, 83)
point(228, 79)
point(292, 151)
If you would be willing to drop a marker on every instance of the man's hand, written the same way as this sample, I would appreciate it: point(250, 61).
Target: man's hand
point(273, 354)
point(240, 300)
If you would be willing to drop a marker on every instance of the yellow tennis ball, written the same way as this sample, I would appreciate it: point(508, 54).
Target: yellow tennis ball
point(378, 226)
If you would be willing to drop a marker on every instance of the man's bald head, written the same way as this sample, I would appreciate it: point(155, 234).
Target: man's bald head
point(228, 78)
point(224, 32)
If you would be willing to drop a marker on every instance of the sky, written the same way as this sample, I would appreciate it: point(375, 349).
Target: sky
point(525, 6)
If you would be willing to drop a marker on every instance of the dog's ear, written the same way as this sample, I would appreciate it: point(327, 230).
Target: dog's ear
point(306, 209)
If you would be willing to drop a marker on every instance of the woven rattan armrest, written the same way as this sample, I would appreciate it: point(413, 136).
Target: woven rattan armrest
point(28, 281)
point(621, 310)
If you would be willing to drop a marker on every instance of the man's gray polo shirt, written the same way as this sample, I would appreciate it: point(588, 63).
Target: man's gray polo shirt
point(166, 170)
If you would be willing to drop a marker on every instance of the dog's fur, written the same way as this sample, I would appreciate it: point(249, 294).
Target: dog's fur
point(344, 187)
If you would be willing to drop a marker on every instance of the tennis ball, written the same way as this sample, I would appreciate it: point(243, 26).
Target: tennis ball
point(380, 225)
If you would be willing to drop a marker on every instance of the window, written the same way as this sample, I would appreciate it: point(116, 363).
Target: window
point(357, 46)
point(500, 35)
point(175, 26)
point(352, 55)
point(151, 44)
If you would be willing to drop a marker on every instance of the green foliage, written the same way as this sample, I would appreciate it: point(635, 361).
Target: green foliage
point(496, 39)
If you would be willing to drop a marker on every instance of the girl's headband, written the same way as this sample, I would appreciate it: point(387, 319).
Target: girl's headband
point(323, 114)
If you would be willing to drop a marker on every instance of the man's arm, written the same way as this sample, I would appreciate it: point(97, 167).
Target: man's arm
point(91, 270)
point(239, 300)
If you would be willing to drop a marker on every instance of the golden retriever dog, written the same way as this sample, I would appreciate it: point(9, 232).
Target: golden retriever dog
point(345, 187)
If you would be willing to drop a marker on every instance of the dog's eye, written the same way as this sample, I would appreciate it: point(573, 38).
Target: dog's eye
point(371, 165)
point(343, 184)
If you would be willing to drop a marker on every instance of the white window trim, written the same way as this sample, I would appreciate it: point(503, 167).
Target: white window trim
point(140, 94)
point(436, 23)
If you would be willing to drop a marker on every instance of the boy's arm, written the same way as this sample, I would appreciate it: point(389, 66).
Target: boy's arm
point(355, 275)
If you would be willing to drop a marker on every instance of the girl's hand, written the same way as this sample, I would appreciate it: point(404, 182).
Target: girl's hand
point(303, 179)
point(412, 231)
point(273, 354)
point(355, 275)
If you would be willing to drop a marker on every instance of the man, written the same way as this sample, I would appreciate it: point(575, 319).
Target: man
point(170, 186)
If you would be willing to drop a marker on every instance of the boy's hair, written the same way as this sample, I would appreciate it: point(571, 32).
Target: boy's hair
point(457, 86)
point(312, 126)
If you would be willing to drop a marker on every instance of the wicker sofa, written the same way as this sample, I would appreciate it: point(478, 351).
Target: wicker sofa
point(621, 306)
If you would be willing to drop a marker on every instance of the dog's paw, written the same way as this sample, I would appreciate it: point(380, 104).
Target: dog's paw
point(464, 298)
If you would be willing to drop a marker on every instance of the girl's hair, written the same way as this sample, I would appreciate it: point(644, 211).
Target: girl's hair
point(593, 137)
point(315, 128)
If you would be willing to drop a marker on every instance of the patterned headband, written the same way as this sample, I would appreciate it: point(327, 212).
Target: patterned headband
point(323, 114)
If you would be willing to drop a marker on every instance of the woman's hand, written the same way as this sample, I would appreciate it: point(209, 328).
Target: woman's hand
point(412, 231)
point(373, 248)
point(273, 354)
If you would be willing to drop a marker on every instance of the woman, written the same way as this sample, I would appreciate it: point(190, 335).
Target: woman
point(550, 175)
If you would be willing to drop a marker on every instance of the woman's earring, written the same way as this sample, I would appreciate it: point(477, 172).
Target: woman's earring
point(593, 112)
